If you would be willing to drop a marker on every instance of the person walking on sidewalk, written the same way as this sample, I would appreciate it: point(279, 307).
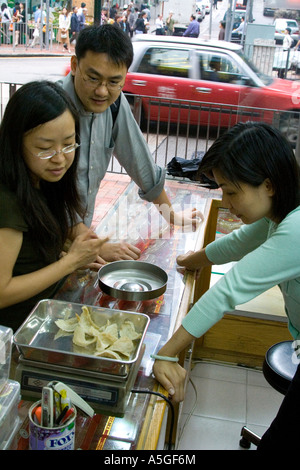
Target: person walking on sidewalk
point(75, 27)
point(81, 15)
point(6, 20)
point(63, 29)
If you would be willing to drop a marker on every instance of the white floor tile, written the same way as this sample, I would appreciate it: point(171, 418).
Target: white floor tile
point(228, 398)
point(210, 434)
point(218, 399)
point(219, 372)
point(262, 405)
point(256, 377)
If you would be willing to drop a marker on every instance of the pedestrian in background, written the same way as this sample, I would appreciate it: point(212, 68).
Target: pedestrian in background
point(23, 25)
point(104, 15)
point(64, 23)
point(222, 31)
point(74, 27)
point(81, 15)
point(17, 18)
point(287, 40)
point(160, 29)
point(240, 28)
point(6, 21)
point(170, 24)
point(132, 17)
point(193, 28)
point(140, 24)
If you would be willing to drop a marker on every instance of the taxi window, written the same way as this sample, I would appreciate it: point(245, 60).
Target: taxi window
point(163, 61)
point(218, 68)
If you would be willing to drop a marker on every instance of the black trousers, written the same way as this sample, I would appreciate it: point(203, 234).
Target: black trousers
point(283, 434)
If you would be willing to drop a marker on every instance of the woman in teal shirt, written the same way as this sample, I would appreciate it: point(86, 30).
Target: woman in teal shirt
point(256, 170)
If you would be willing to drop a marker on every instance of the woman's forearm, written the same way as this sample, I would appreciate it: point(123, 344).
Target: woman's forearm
point(177, 343)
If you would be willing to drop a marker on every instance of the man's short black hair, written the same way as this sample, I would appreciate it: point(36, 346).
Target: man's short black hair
point(105, 39)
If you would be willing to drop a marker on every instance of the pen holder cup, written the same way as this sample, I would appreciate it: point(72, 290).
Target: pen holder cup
point(61, 437)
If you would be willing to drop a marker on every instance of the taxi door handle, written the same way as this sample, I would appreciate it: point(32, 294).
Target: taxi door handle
point(203, 90)
point(139, 82)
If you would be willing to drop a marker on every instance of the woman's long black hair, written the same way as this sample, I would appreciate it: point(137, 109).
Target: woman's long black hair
point(51, 211)
point(250, 153)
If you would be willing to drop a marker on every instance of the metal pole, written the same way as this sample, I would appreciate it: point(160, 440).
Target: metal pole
point(229, 20)
point(47, 24)
point(210, 18)
point(97, 12)
point(41, 26)
point(297, 150)
point(26, 24)
point(246, 20)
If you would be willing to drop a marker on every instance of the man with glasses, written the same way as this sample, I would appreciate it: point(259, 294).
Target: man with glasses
point(107, 127)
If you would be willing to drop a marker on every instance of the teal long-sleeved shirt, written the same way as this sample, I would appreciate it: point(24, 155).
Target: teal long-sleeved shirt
point(267, 254)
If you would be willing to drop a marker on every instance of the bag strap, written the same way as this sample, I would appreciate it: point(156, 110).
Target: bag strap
point(115, 109)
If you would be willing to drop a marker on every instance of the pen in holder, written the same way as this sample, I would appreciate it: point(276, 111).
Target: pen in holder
point(58, 436)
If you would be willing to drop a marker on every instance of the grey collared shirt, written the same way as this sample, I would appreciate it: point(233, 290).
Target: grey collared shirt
point(100, 140)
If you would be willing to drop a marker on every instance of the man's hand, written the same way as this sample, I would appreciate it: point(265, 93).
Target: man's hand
point(111, 251)
point(188, 219)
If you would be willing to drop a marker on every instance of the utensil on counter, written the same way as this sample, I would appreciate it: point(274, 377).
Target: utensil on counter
point(132, 280)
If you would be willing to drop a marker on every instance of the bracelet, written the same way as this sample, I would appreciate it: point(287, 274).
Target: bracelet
point(164, 358)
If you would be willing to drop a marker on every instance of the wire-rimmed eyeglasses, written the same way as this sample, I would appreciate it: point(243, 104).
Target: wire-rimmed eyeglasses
point(46, 154)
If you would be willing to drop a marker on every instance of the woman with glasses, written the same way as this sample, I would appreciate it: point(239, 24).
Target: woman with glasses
point(39, 202)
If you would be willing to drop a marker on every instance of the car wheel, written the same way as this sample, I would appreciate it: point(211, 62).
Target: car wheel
point(289, 127)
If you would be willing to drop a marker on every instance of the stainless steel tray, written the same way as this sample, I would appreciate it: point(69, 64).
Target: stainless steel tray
point(132, 280)
point(35, 339)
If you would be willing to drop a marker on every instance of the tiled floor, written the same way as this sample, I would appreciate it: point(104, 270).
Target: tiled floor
point(228, 398)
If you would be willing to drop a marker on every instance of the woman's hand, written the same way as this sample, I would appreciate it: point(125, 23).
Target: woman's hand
point(172, 377)
point(194, 260)
point(170, 374)
point(188, 261)
point(85, 250)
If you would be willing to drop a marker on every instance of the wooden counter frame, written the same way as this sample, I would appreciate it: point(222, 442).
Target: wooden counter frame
point(154, 417)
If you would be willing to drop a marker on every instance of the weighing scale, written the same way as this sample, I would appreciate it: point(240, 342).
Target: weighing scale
point(103, 382)
point(106, 393)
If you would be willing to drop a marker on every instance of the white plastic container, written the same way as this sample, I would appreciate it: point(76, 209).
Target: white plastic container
point(5, 354)
point(9, 419)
